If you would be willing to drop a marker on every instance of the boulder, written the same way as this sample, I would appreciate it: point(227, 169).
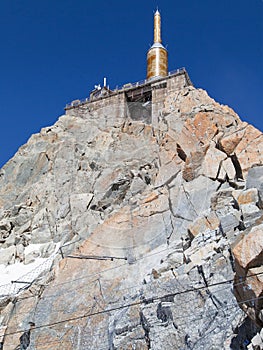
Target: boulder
point(255, 179)
point(7, 255)
point(248, 252)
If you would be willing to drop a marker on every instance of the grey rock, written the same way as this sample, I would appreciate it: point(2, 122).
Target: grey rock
point(257, 342)
point(250, 213)
point(137, 186)
point(7, 255)
point(255, 179)
point(41, 234)
point(149, 210)
point(5, 229)
point(229, 222)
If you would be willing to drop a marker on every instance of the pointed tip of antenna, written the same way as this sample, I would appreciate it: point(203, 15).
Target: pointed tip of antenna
point(157, 11)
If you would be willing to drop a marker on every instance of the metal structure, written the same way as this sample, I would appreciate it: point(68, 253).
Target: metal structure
point(157, 56)
point(131, 89)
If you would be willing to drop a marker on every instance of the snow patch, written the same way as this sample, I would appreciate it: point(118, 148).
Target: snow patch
point(15, 271)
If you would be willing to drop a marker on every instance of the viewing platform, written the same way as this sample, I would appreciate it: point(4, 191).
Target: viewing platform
point(133, 91)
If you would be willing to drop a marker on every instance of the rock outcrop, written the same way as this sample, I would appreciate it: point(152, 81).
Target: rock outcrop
point(115, 234)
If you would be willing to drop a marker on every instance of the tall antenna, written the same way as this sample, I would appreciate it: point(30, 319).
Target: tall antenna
point(157, 57)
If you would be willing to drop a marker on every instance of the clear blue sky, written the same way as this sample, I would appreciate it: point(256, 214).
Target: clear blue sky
point(54, 51)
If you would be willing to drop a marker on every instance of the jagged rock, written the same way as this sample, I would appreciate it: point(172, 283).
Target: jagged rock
point(249, 148)
point(248, 257)
point(5, 230)
point(248, 251)
point(227, 170)
point(255, 179)
point(255, 280)
point(250, 204)
point(202, 224)
point(192, 198)
point(212, 163)
point(249, 196)
point(256, 342)
point(192, 165)
point(146, 216)
point(7, 255)
point(229, 142)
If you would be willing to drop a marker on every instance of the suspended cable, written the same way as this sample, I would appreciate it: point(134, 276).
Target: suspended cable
point(197, 317)
point(105, 270)
point(192, 289)
point(96, 257)
point(144, 301)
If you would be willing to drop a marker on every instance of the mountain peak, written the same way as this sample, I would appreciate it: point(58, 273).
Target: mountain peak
point(128, 219)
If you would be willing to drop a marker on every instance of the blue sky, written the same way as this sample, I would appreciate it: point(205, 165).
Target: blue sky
point(55, 51)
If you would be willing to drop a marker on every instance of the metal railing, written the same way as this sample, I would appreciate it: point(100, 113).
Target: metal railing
point(25, 281)
point(128, 86)
point(146, 81)
point(14, 287)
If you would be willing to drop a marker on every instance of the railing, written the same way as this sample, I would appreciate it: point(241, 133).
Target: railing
point(77, 103)
point(25, 281)
point(177, 71)
point(144, 82)
point(13, 288)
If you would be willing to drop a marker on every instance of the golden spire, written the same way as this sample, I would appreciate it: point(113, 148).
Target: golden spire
point(157, 57)
point(157, 27)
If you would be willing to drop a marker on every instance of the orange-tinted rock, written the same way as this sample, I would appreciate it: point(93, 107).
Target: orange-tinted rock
point(168, 148)
point(248, 252)
point(230, 142)
point(202, 126)
point(254, 280)
point(151, 197)
point(202, 224)
point(248, 196)
point(249, 151)
point(192, 165)
point(249, 293)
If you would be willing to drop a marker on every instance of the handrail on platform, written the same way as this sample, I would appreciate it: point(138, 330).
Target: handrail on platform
point(128, 86)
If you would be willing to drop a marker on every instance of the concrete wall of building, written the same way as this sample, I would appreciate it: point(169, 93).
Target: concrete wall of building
point(177, 82)
point(113, 109)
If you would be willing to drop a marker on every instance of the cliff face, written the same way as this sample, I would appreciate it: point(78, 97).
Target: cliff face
point(160, 227)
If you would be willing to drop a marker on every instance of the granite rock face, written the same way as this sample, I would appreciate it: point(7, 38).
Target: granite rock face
point(129, 236)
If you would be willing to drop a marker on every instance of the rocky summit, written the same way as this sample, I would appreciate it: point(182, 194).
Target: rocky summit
point(117, 233)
